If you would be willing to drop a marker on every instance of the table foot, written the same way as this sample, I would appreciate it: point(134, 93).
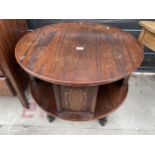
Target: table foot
point(103, 121)
point(50, 118)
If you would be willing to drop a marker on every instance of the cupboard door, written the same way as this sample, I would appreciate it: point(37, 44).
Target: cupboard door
point(81, 100)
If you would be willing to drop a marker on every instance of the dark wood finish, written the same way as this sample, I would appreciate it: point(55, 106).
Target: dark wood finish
point(79, 54)
point(11, 31)
point(1, 71)
point(75, 99)
point(5, 87)
point(128, 25)
point(109, 98)
point(81, 70)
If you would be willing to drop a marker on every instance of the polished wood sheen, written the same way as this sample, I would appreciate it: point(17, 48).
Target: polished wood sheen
point(16, 79)
point(79, 71)
point(79, 54)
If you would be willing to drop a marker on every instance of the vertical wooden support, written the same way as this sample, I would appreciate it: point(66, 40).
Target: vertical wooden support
point(11, 31)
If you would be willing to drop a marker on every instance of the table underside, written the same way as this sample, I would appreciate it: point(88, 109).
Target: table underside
point(79, 103)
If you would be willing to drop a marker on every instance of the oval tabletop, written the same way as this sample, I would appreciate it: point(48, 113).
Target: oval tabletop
point(79, 53)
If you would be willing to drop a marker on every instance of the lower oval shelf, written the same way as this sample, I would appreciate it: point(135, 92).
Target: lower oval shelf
point(110, 97)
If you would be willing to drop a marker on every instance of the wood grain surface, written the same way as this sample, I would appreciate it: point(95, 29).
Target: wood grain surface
point(148, 25)
point(109, 98)
point(79, 53)
point(11, 30)
point(147, 36)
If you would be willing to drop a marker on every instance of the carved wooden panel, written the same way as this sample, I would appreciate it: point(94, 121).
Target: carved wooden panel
point(75, 99)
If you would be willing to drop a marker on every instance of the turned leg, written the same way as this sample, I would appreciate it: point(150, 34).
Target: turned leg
point(103, 121)
point(50, 118)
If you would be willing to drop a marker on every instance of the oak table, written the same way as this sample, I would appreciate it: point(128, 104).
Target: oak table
point(79, 70)
point(147, 35)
